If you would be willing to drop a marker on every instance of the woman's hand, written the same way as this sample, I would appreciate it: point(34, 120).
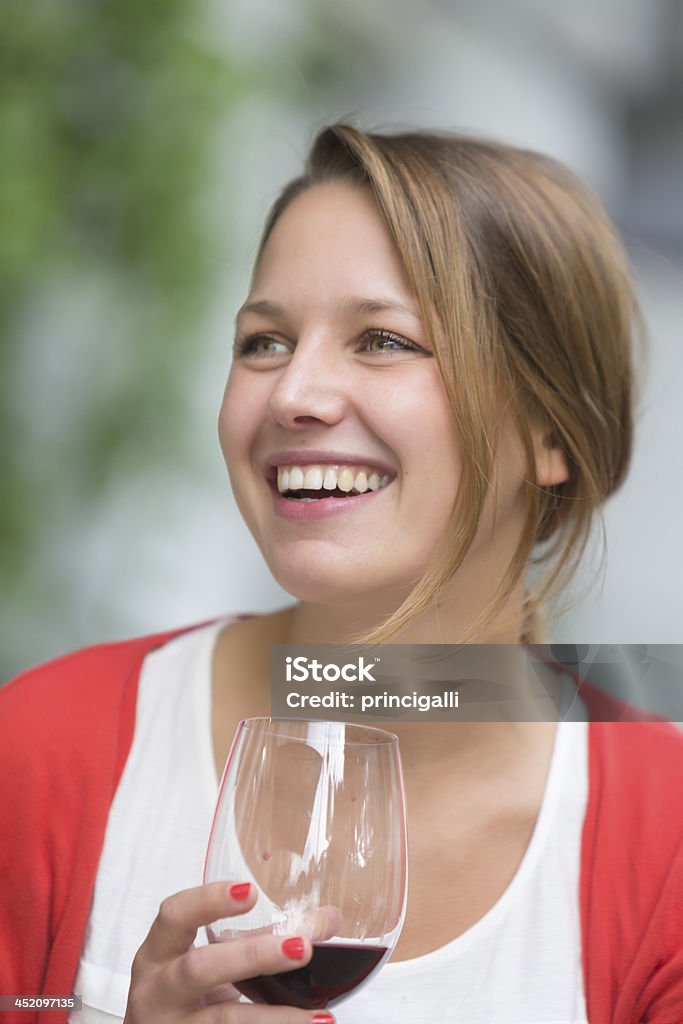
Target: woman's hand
point(172, 981)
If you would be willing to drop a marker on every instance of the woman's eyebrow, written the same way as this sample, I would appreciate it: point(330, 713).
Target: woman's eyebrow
point(358, 304)
point(348, 304)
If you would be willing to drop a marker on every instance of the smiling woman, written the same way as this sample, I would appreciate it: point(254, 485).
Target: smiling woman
point(431, 394)
point(328, 390)
point(455, 250)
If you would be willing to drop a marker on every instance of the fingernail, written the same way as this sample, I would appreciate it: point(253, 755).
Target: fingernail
point(322, 1018)
point(294, 949)
point(240, 891)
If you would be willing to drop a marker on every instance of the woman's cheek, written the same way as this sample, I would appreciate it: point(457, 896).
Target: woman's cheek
point(233, 421)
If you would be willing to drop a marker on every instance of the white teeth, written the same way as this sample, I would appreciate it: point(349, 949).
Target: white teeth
point(345, 480)
point(360, 484)
point(329, 478)
point(313, 480)
point(296, 479)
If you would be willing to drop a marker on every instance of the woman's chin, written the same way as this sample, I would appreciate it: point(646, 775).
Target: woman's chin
point(322, 592)
point(343, 589)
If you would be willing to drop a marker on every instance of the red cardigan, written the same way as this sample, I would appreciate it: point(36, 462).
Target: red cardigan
point(65, 732)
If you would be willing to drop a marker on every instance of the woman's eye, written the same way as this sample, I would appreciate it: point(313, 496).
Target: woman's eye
point(387, 341)
point(260, 345)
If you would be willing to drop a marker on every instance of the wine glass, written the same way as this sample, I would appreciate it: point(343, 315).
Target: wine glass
point(313, 815)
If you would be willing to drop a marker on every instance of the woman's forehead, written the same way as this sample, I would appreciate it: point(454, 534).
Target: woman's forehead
point(334, 234)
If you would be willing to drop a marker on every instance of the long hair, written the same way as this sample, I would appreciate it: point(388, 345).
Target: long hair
point(525, 292)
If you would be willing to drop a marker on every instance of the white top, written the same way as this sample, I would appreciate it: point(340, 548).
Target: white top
point(519, 964)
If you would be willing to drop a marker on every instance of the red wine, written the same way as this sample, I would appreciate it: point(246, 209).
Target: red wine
point(332, 971)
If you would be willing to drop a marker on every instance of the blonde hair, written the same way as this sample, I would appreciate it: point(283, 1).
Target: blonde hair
point(524, 289)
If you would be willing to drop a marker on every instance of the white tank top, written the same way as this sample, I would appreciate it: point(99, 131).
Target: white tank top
point(519, 964)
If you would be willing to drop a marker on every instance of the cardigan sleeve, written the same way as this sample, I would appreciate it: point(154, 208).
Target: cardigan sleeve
point(65, 732)
point(660, 956)
point(632, 875)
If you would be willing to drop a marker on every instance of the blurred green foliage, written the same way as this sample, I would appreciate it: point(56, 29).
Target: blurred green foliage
point(109, 115)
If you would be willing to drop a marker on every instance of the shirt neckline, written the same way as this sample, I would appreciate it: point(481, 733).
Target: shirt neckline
point(550, 807)
point(550, 802)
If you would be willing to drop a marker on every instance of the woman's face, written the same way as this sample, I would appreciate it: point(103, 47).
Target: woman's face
point(336, 430)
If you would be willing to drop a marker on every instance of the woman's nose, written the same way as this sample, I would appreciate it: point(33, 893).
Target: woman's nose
point(311, 388)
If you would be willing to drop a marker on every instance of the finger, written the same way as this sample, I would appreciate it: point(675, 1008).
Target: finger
point(221, 994)
point(248, 1013)
point(175, 927)
point(200, 970)
point(320, 924)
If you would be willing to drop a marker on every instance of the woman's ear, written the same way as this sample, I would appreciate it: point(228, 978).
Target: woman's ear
point(551, 462)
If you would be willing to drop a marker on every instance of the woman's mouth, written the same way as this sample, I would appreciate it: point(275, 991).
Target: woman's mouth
point(320, 482)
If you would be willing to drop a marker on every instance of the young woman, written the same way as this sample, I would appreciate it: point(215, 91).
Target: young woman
point(436, 350)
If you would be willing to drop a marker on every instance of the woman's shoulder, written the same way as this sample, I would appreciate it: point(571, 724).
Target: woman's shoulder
point(85, 667)
point(643, 758)
point(639, 748)
point(77, 695)
point(636, 782)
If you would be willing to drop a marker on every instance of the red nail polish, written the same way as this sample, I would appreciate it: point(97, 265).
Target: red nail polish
point(322, 1018)
point(293, 948)
point(240, 891)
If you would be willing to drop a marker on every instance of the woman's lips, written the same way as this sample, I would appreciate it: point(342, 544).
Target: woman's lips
point(320, 508)
point(312, 484)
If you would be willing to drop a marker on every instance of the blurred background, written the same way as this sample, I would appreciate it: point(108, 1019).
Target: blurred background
point(141, 145)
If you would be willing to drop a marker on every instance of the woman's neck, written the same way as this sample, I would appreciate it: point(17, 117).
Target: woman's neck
point(242, 672)
point(447, 622)
point(468, 743)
